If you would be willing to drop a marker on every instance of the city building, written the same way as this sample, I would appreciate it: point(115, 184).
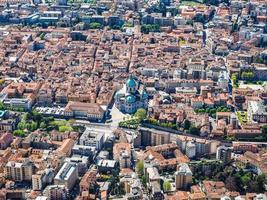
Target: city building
point(224, 154)
point(19, 171)
point(56, 192)
point(66, 147)
point(94, 137)
point(82, 163)
point(151, 137)
point(67, 175)
point(256, 112)
point(190, 150)
point(5, 140)
point(20, 95)
point(105, 165)
point(122, 154)
point(90, 111)
point(183, 176)
point(42, 178)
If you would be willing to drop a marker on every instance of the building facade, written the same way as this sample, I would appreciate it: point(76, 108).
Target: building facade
point(183, 176)
point(19, 171)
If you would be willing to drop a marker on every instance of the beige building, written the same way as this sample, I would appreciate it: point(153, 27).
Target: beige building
point(19, 171)
point(183, 176)
point(37, 182)
point(122, 154)
point(153, 137)
point(90, 111)
point(56, 192)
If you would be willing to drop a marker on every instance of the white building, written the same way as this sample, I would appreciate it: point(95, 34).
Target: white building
point(190, 149)
point(67, 175)
point(94, 137)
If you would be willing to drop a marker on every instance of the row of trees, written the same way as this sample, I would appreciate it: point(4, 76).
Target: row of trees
point(146, 28)
point(140, 170)
point(163, 124)
point(247, 75)
point(212, 111)
point(234, 78)
point(135, 120)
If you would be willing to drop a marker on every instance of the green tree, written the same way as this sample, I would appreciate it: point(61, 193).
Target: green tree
point(264, 131)
point(71, 121)
point(194, 130)
point(36, 116)
point(144, 180)
point(2, 106)
point(42, 125)
point(199, 18)
point(2, 81)
point(187, 124)
point(166, 186)
point(245, 179)
point(234, 79)
point(21, 125)
point(140, 167)
point(64, 128)
point(95, 25)
point(146, 28)
point(249, 76)
point(261, 181)
point(32, 126)
point(19, 133)
point(42, 35)
point(26, 117)
point(140, 114)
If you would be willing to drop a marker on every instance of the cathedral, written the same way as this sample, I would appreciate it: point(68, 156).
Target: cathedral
point(131, 97)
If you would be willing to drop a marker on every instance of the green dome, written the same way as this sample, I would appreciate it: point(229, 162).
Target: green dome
point(131, 82)
point(130, 99)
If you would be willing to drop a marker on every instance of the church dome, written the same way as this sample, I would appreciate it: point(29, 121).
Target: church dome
point(130, 99)
point(131, 82)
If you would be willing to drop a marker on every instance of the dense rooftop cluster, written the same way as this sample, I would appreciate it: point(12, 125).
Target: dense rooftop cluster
point(155, 99)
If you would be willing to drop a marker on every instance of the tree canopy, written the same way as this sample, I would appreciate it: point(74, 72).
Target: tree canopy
point(249, 76)
point(140, 167)
point(166, 186)
point(140, 114)
point(194, 130)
